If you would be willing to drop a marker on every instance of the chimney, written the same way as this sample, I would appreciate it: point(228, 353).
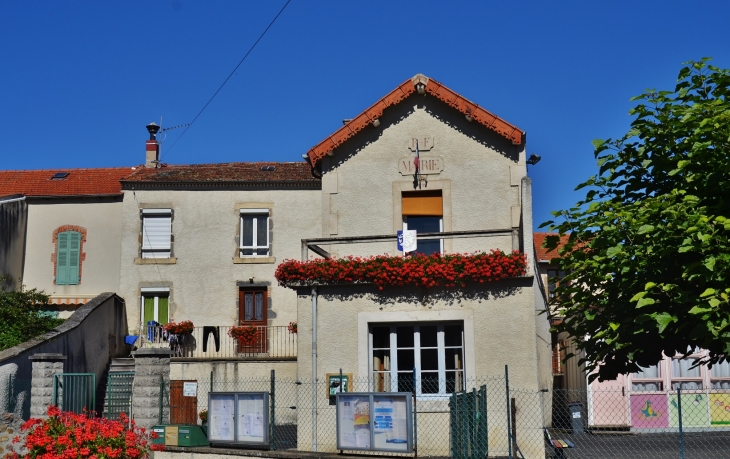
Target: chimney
point(153, 148)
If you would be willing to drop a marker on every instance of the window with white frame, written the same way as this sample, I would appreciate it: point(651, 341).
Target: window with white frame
point(434, 350)
point(685, 375)
point(156, 233)
point(648, 379)
point(155, 305)
point(720, 375)
point(254, 237)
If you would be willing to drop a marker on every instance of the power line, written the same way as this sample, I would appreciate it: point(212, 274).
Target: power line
point(228, 78)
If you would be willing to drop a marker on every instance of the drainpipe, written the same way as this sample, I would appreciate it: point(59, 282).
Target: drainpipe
point(314, 368)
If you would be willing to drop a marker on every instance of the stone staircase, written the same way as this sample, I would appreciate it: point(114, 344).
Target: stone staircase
point(118, 390)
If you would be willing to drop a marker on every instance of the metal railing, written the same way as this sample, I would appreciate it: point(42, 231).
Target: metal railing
point(214, 342)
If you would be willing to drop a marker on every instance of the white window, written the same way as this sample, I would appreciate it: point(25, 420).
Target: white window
point(156, 233)
point(720, 375)
point(254, 235)
point(648, 379)
point(155, 305)
point(435, 351)
point(684, 376)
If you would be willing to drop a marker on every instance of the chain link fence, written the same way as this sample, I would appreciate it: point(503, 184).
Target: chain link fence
point(486, 417)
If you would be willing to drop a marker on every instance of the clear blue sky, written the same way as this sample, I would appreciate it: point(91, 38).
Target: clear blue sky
point(80, 80)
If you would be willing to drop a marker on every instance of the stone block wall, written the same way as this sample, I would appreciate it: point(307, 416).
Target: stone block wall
point(44, 367)
point(151, 387)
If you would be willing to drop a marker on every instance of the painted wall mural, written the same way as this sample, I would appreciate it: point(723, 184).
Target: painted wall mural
point(649, 411)
point(695, 409)
point(719, 409)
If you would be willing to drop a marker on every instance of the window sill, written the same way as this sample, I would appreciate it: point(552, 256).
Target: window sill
point(253, 260)
point(155, 261)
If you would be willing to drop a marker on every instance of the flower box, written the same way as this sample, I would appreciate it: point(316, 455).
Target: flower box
point(453, 270)
point(185, 327)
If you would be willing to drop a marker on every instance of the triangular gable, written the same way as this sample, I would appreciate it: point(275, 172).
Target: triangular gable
point(422, 84)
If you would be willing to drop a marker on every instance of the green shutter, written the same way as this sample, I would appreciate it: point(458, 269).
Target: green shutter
point(149, 309)
point(62, 259)
point(68, 256)
point(74, 254)
point(162, 309)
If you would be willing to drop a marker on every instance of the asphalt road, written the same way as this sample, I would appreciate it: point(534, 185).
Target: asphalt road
point(697, 445)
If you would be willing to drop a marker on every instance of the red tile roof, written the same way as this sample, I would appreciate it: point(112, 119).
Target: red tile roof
point(226, 172)
point(78, 182)
point(542, 254)
point(399, 94)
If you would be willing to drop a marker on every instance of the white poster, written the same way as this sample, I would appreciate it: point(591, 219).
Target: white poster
point(390, 422)
point(354, 422)
point(190, 389)
point(250, 418)
point(220, 417)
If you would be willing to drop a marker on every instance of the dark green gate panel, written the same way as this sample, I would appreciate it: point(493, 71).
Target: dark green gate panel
point(75, 392)
point(468, 421)
point(119, 394)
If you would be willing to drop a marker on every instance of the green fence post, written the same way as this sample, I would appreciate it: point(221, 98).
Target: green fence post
point(679, 415)
point(507, 409)
point(162, 388)
point(273, 410)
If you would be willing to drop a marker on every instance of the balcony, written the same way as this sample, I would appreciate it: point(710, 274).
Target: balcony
point(214, 343)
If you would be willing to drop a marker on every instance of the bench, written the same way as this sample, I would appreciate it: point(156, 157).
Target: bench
point(559, 446)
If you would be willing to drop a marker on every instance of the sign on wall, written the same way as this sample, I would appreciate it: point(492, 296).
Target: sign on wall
point(335, 385)
point(190, 389)
point(426, 165)
point(375, 421)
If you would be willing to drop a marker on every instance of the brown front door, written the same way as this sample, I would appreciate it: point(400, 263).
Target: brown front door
point(183, 410)
point(252, 311)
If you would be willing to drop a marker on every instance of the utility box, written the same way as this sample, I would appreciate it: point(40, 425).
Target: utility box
point(191, 435)
point(180, 435)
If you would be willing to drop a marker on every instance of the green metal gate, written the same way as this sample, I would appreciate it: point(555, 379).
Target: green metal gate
point(75, 392)
point(469, 424)
point(119, 394)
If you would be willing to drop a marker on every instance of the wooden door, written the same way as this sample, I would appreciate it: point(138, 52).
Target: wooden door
point(609, 403)
point(183, 410)
point(252, 311)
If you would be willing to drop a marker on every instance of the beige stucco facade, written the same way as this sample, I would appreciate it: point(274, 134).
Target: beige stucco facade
point(99, 220)
point(204, 273)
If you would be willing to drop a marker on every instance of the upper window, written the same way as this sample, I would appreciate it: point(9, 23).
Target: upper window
point(554, 279)
point(720, 375)
point(254, 237)
point(435, 351)
point(155, 305)
point(648, 379)
point(156, 233)
point(684, 376)
point(423, 211)
point(68, 258)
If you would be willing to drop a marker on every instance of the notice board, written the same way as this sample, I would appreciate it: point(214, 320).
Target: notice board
point(375, 421)
point(238, 418)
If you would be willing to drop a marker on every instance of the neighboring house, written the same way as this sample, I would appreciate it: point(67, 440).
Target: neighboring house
point(66, 232)
point(13, 220)
point(201, 243)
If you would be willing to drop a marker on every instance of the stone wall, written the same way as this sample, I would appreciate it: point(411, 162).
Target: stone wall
point(151, 375)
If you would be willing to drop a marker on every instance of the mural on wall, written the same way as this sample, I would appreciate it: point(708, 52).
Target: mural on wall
point(719, 409)
point(649, 411)
point(694, 410)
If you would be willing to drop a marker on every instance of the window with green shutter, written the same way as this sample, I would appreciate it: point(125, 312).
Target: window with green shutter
point(68, 254)
point(155, 306)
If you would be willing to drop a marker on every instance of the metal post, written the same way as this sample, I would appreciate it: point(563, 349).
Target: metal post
point(415, 417)
point(314, 367)
point(509, 434)
point(273, 410)
point(211, 382)
point(681, 432)
point(513, 411)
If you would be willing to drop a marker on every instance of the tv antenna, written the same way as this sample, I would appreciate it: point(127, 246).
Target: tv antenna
point(170, 129)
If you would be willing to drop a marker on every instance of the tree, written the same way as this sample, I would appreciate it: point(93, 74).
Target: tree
point(648, 254)
point(21, 315)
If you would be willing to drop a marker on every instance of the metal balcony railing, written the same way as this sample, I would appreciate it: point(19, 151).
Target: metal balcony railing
point(214, 342)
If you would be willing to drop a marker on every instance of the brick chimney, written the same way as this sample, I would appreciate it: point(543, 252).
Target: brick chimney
point(152, 157)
